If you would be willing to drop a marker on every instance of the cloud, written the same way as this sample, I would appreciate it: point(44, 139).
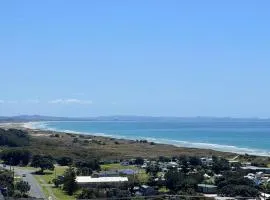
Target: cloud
point(70, 101)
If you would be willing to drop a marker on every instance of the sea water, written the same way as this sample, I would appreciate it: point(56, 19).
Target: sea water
point(252, 137)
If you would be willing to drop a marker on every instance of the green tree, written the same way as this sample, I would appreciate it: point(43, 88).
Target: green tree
point(65, 161)
point(42, 162)
point(92, 164)
point(139, 161)
point(152, 169)
point(69, 182)
point(220, 164)
point(174, 180)
point(85, 168)
point(6, 181)
point(195, 161)
point(239, 190)
point(15, 157)
point(23, 187)
point(56, 182)
point(13, 138)
point(87, 194)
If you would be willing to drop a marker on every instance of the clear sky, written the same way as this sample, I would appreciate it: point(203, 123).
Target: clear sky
point(137, 57)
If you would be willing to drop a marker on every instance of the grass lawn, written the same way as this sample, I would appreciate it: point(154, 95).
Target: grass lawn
point(59, 194)
point(268, 165)
point(50, 175)
point(49, 190)
point(163, 190)
point(29, 168)
point(142, 176)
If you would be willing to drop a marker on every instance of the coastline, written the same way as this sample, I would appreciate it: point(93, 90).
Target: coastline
point(176, 143)
point(33, 126)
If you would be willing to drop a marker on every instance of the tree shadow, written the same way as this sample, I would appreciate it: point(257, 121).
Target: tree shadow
point(41, 173)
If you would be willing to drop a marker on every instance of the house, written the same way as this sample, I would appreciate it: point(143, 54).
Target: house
point(172, 164)
point(207, 161)
point(258, 178)
point(127, 172)
point(146, 190)
point(144, 166)
point(91, 181)
point(206, 176)
point(164, 169)
point(125, 163)
point(107, 174)
point(207, 189)
point(246, 164)
point(257, 169)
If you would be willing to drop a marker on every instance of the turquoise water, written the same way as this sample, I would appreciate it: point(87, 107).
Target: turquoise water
point(251, 137)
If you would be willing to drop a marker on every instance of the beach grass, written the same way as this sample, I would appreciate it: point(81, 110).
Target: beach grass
point(105, 148)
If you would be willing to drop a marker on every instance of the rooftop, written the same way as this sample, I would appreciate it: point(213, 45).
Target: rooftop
point(255, 168)
point(89, 179)
point(206, 185)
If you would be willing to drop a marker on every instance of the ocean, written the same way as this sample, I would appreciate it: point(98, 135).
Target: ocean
point(251, 137)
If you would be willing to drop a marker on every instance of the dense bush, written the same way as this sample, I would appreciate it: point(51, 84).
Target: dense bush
point(179, 181)
point(93, 193)
point(42, 162)
point(234, 184)
point(239, 190)
point(23, 187)
point(91, 164)
point(15, 157)
point(139, 161)
point(64, 161)
point(220, 164)
point(13, 138)
point(6, 181)
point(163, 159)
point(195, 161)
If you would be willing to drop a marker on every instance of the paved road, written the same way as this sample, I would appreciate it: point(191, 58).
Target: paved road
point(36, 190)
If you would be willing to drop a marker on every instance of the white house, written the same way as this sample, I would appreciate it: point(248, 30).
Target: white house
point(88, 180)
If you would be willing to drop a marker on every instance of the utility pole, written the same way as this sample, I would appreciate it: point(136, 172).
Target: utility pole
point(55, 172)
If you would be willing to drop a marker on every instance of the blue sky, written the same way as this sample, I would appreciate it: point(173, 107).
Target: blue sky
point(160, 58)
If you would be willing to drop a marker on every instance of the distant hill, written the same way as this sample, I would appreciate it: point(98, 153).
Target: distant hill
point(27, 118)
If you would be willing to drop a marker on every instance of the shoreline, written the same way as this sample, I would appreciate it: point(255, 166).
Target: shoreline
point(175, 143)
